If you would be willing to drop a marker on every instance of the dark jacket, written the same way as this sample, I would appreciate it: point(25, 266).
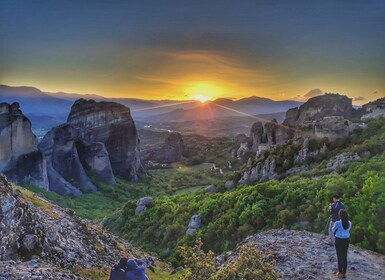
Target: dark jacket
point(117, 273)
point(334, 209)
point(136, 270)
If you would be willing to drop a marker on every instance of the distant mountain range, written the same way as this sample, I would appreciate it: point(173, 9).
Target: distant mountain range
point(226, 107)
point(47, 109)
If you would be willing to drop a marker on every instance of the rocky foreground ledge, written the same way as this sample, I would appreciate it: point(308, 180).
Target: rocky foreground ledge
point(39, 240)
point(306, 255)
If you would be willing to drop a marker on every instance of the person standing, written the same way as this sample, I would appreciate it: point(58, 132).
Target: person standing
point(334, 209)
point(341, 230)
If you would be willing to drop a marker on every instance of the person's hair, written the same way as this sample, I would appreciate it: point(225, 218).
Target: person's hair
point(336, 196)
point(123, 262)
point(344, 218)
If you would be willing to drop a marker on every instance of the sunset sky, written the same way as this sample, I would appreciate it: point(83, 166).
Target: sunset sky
point(190, 49)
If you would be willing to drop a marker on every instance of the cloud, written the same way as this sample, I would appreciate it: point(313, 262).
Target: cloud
point(359, 98)
point(313, 92)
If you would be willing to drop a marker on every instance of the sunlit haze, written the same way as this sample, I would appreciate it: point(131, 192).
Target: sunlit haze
point(198, 50)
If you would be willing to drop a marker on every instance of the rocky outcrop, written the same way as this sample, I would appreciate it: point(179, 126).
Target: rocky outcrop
point(142, 204)
point(269, 134)
point(20, 158)
point(194, 225)
point(342, 159)
point(52, 234)
point(335, 127)
point(60, 149)
point(319, 107)
point(374, 110)
point(111, 124)
point(261, 172)
point(304, 255)
point(99, 139)
point(171, 150)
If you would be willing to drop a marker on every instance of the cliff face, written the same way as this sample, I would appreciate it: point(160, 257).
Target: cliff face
point(319, 107)
point(98, 137)
point(20, 158)
point(111, 124)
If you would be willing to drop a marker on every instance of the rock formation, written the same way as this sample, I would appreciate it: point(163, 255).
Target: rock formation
point(20, 158)
point(170, 151)
point(342, 159)
point(111, 124)
point(52, 235)
point(142, 204)
point(63, 161)
point(374, 110)
point(99, 138)
point(194, 225)
point(319, 107)
point(269, 134)
point(306, 255)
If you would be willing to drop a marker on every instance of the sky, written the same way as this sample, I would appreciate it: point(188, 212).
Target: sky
point(195, 49)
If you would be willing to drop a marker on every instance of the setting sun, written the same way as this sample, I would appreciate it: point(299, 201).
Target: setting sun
point(204, 92)
point(201, 98)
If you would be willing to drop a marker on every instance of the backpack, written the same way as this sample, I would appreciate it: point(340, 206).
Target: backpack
point(117, 273)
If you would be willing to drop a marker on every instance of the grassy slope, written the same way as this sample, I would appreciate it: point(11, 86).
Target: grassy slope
point(107, 199)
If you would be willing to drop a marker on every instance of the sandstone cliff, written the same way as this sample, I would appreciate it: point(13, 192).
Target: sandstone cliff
point(20, 158)
point(319, 107)
point(111, 124)
point(99, 138)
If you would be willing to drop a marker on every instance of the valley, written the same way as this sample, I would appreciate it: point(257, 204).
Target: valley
point(163, 186)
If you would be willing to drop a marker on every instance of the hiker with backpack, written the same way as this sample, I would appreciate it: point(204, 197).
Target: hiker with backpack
point(341, 230)
point(133, 269)
point(334, 209)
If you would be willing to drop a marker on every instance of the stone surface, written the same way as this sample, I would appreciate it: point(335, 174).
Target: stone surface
point(304, 255)
point(60, 149)
point(195, 223)
point(341, 160)
point(20, 158)
point(374, 110)
point(141, 204)
point(111, 124)
point(171, 150)
point(229, 185)
point(319, 107)
point(209, 189)
point(53, 235)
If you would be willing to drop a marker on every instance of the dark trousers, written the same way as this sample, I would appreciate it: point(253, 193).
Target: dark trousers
point(342, 245)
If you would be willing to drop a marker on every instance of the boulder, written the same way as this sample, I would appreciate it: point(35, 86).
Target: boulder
point(209, 189)
point(194, 225)
point(20, 158)
point(141, 204)
point(229, 185)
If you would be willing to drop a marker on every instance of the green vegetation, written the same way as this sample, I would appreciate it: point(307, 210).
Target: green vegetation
point(97, 205)
point(298, 203)
point(250, 264)
point(199, 149)
point(295, 202)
